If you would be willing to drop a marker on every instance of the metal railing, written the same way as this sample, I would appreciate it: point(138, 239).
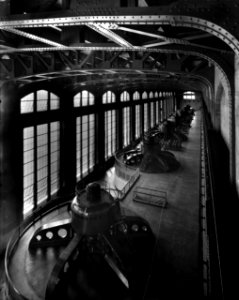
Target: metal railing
point(211, 270)
point(127, 173)
point(12, 292)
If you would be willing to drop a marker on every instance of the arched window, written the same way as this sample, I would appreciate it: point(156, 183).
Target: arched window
point(27, 103)
point(151, 95)
point(84, 98)
point(54, 102)
point(124, 96)
point(145, 95)
point(41, 150)
point(189, 95)
point(41, 100)
point(160, 94)
point(136, 96)
point(156, 95)
point(108, 97)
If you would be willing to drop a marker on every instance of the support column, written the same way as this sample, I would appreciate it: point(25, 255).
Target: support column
point(68, 146)
point(11, 193)
point(132, 119)
point(100, 134)
point(120, 121)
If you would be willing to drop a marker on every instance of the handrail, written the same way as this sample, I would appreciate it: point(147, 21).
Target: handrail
point(124, 171)
point(217, 276)
point(22, 228)
point(120, 163)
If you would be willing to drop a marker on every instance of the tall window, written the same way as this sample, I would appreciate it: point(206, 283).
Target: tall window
point(151, 95)
point(170, 102)
point(124, 96)
point(28, 169)
point(137, 121)
point(85, 145)
point(156, 95)
point(41, 151)
point(161, 110)
point(108, 97)
point(110, 133)
point(84, 98)
point(41, 100)
point(157, 112)
point(126, 126)
point(41, 163)
point(165, 108)
point(189, 96)
point(174, 102)
point(152, 116)
point(146, 127)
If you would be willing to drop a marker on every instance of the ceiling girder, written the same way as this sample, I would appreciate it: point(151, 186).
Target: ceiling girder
point(49, 64)
point(152, 16)
point(33, 37)
point(26, 65)
point(101, 29)
point(121, 78)
point(85, 60)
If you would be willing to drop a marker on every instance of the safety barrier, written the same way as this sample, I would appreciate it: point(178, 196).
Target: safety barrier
point(211, 270)
point(11, 291)
point(127, 173)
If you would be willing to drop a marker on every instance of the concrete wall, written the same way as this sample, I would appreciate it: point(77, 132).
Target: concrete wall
point(221, 112)
point(237, 120)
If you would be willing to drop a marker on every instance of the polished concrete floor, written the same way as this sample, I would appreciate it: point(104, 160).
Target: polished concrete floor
point(175, 269)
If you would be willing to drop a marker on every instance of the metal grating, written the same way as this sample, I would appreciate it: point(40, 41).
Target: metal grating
point(150, 196)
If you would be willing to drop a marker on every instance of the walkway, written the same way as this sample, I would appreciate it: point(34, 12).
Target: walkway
point(175, 263)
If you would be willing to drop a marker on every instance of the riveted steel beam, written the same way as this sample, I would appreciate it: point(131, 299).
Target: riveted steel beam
point(85, 60)
point(105, 31)
point(173, 20)
point(33, 37)
point(23, 65)
point(48, 64)
point(210, 56)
